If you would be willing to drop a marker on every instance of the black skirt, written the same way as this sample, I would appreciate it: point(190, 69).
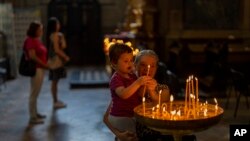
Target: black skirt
point(57, 74)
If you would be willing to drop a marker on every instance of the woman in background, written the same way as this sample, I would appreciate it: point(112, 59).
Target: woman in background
point(36, 51)
point(56, 45)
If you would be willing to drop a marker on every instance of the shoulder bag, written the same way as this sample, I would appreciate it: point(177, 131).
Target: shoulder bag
point(27, 67)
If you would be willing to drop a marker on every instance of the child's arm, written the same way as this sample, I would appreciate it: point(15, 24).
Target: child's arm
point(125, 93)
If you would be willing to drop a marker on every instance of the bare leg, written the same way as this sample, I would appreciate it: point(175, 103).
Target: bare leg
point(54, 90)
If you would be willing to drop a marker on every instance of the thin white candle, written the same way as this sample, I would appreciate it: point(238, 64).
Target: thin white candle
point(197, 90)
point(189, 91)
point(153, 113)
point(143, 105)
point(144, 88)
point(186, 96)
point(192, 84)
point(171, 101)
point(159, 98)
point(205, 112)
point(216, 105)
point(148, 70)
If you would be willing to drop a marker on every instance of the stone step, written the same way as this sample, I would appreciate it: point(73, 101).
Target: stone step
point(89, 77)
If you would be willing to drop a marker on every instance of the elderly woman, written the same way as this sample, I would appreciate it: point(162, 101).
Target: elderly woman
point(146, 63)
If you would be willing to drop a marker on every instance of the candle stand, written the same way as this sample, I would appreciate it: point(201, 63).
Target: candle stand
point(180, 120)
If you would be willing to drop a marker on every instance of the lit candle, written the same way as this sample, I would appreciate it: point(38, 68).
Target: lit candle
point(153, 113)
point(144, 88)
point(172, 114)
point(197, 92)
point(157, 109)
point(189, 91)
point(163, 111)
point(193, 103)
point(148, 70)
point(143, 105)
point(192, 77)
point(171, 100)
point(186, 96)
point(206, 103)
point(159, 98)
point(216, 105)
point(205, 112)
point(197, 106)
point(178, 113)
point(215, 100)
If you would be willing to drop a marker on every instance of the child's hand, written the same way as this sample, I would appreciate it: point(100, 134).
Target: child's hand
point(127, 136)
point(143, 80)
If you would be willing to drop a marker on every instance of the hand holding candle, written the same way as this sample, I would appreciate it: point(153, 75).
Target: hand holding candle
point(144, 89)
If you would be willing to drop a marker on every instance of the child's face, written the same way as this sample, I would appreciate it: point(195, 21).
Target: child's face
point(125, 63)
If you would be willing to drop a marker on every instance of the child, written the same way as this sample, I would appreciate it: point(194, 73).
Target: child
point(123, 86)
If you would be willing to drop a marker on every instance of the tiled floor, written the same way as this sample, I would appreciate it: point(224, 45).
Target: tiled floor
point(82, 119)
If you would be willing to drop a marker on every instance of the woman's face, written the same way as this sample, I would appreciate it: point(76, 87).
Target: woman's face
point(144, 62)
point(39, 31)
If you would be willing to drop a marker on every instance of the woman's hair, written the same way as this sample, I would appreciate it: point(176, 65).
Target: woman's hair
point(116, 50)
point(51, 27)
point(33, 27)
point(145, 53)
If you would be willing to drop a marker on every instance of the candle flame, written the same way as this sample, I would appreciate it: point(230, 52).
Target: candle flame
point(179, 113)
point(148, 67)
point(192, 96)
point(215, 100)
point(173, 112)
point(143, 99)
point(160, 91)
point(205, 112)
point(171, 98)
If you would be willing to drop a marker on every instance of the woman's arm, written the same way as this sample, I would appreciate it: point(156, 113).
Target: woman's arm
point(33, 56)
point(57, 49)
point(154, 93)
point(62, 40)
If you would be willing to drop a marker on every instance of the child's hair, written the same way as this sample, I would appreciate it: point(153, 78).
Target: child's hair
point(116, 50)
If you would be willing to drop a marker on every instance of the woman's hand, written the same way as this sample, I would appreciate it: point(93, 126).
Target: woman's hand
point(151, 84)
point(66, 58)
point(127, 136)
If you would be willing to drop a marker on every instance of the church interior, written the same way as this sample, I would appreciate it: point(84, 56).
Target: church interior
point(207, 39)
